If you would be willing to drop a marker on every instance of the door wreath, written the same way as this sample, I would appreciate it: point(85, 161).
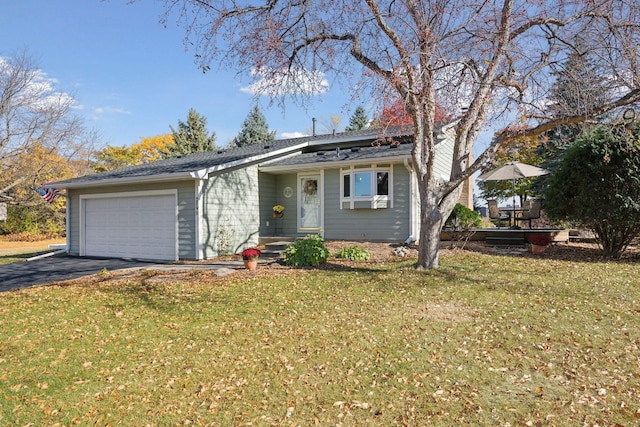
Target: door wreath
point(310, 187)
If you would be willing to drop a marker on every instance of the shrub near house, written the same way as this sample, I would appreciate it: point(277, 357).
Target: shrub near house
point(463, 218)
point(310, 251)
point(596, 186)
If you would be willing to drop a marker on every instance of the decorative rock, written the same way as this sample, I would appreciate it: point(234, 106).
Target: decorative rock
point(222, 272)
point(402, 251)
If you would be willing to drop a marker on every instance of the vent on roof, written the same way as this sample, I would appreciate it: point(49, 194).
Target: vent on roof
point(320, 153)
point(355, 149)
point(266, 147)
point(394, 145)
point(220, 151)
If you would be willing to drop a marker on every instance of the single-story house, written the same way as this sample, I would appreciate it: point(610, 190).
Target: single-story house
point(343, 186)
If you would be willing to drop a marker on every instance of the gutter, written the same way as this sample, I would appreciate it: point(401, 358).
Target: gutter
point(123, 180)
point(333, 164)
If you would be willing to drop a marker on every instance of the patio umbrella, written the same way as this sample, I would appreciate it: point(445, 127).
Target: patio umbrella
point(513, 171)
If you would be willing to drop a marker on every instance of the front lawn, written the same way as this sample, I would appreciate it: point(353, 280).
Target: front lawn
point(15, 251)
point(484, 340)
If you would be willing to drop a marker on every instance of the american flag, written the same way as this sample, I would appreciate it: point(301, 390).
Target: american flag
point(49, 194)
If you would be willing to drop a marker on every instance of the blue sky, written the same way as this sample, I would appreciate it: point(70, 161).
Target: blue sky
point(133, 78)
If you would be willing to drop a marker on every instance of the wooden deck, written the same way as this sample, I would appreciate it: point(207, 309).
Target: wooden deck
point(512, 237)
point(507, 237)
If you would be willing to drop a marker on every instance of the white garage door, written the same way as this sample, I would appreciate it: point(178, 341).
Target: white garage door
point(131, 227)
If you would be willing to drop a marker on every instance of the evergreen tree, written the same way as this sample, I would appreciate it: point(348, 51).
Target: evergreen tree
point(578, 89)
point(255, 130)
point(358, 121)
point(190, 137)
point(596, 186)
point(579, 85)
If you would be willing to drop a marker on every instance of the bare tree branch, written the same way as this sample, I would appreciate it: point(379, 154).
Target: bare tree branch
point(487, 61)
point(36, 124)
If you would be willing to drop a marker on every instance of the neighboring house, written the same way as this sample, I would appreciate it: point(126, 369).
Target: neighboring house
point(343, 186)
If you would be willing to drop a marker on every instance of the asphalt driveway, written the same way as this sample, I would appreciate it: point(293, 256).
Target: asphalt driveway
point(54, 269)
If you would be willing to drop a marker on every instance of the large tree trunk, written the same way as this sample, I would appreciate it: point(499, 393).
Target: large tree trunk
point(434, 211)
point(431, 221)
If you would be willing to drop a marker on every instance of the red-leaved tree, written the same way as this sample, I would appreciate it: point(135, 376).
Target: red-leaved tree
point(394, 113)
point(488, 62)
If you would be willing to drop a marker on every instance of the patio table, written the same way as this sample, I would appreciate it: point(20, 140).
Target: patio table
point(512, 212)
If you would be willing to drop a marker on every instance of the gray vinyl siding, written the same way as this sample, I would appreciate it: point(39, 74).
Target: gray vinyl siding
point(268, 196)
point(288, 224)
point(230, 211)
point(186, 212)
point(389, 224)
point(73, 233)
point(444, 154)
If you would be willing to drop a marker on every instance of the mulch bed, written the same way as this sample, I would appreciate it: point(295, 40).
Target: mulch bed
point(570, 251)
point(384, 252)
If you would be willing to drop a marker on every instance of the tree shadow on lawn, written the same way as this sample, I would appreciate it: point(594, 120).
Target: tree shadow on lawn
point(153, 288)
point(587, 253)
point(358, 266)
point(571, 251)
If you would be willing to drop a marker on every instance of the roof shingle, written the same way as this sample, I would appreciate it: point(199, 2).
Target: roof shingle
point(185, 165)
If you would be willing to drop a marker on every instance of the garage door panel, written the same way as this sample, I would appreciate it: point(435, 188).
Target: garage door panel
point(131, 227)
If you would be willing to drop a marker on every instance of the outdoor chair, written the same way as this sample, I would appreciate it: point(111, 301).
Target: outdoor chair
point(531, 210)
point(495, 214)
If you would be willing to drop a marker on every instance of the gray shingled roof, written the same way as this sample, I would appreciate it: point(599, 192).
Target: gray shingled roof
point(354, 154)
point(182, 167)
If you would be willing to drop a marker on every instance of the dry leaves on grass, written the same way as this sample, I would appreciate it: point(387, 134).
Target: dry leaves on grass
point(484, 340)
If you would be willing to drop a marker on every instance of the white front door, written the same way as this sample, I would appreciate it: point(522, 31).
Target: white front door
point(309, 203)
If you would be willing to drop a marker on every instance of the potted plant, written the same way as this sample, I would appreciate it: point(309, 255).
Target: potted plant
point(250, 257)
point(539, 243)
point(278, 211)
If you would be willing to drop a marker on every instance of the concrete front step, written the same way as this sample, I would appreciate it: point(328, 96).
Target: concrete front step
point(265, 240)
point(276, 246)
point(273, 247)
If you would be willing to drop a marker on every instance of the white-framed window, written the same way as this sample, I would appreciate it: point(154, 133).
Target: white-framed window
point(368, 187)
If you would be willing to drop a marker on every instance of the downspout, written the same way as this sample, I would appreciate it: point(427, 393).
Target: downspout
point(412, 209)
point(48, 254)
point(199, 208)
point(67, 221)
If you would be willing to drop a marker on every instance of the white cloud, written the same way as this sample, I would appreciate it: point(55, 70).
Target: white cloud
point(289, 135)
point(275, 83)
point(110, 110)
point(99, 113)
point(38, 91)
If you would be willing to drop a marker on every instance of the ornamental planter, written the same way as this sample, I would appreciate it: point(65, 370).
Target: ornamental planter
point(250, 264)
point(250, 257)
point(278, 211)
point(537, 249)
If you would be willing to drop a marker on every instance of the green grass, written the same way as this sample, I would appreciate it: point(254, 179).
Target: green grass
point(19, 255)
point(484, 340)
